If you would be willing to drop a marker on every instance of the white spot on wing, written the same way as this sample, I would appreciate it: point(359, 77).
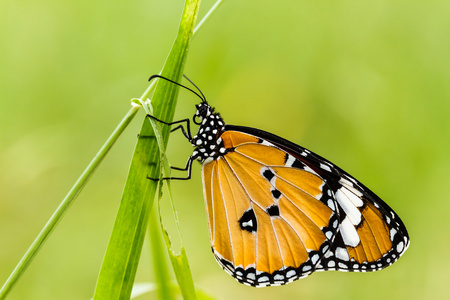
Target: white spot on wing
point(325, 167)
point(400, 247)
point(350, 186)
point(290, 273)
point(278, 277)
point(330, 204)
point(247, 224)
point(349, 233)
point(349, 208)
point(345, 181)
point(264, 142)
point(342, 253)
point(393, 232)
point(342, 266)
point(315, 259)
point(350, 193)
point(290, 161)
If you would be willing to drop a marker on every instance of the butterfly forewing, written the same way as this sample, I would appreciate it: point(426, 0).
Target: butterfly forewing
point(370, 234)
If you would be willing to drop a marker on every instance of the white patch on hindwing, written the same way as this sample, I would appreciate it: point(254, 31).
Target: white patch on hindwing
point(349, 207)
point(349, 233)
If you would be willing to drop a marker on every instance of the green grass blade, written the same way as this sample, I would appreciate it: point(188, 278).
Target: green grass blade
point(164, 288)
point(122, 255)
point(182, 270)
point(165, 94)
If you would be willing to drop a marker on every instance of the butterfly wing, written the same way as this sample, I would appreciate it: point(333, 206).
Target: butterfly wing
point(370, 236)
point(269, 223)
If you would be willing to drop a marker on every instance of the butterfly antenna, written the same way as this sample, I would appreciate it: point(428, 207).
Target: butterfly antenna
point(174, 82)
point(204, 98)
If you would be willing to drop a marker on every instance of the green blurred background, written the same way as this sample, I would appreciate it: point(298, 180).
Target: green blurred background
point(364, 83)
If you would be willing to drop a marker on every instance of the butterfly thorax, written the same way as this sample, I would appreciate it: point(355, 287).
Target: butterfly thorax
point(207, 142)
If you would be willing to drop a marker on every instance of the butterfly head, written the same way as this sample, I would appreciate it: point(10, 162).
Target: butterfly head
point(207, 141)
point(204, 110)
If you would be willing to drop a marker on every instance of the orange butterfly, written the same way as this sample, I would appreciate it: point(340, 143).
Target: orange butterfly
point(278, 212)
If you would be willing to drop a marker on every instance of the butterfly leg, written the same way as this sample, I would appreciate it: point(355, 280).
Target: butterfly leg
point(186, 133)
point(187, 168)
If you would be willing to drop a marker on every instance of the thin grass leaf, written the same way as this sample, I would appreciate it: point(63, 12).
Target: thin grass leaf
point(164, 288)
point(122, 255)
point(181, 269)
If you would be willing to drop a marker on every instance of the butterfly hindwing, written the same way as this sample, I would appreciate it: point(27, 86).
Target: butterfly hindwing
point(269, 224)
point(371, 236)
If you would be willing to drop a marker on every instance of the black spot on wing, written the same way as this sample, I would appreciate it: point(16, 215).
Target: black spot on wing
point(273, 210)
point(298, 164)
point(276, 193)
point(248, 221)
point(268, 174)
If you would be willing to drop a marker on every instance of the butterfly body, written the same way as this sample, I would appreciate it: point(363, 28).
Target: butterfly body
point(278, 212)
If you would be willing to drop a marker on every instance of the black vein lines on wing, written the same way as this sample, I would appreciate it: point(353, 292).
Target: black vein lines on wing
point(251, 206)
point(212, 212)
point(278, 244)
point(283, 179)
point(269, 166)
point(225, 210)
point(229, 181)
point(281, 218)
point(287, 198)
point(363, 219)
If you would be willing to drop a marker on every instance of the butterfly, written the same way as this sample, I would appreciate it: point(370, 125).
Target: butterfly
point(278, 212)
